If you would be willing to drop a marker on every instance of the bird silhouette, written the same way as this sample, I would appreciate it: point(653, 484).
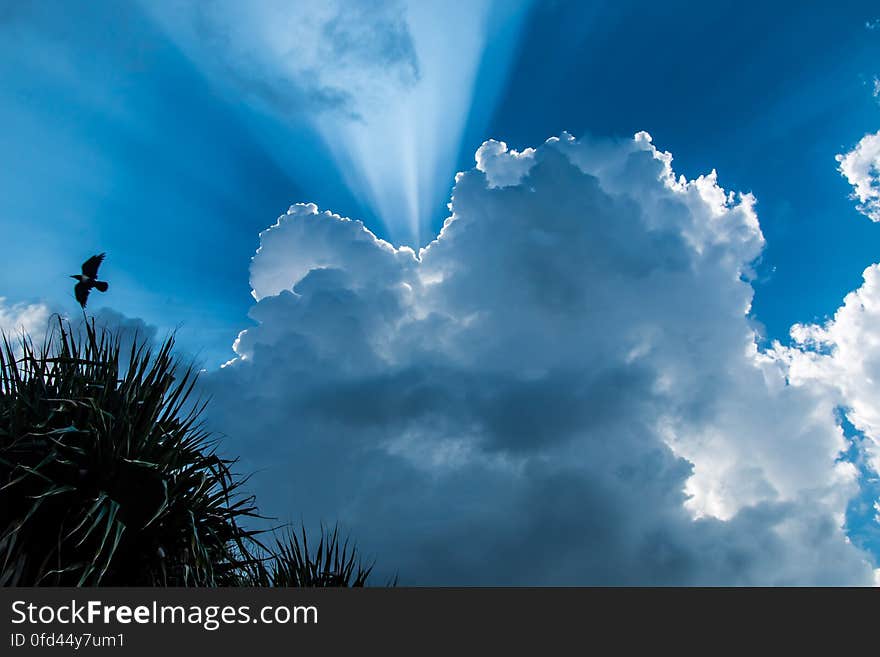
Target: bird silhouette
point(89, 279)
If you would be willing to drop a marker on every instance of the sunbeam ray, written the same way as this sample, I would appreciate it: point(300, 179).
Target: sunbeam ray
point(383, 85)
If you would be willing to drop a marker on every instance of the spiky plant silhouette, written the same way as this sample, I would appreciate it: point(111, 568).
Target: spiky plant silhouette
point(107, 476)
point(333, 562)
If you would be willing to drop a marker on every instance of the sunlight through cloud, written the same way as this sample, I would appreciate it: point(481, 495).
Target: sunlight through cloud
point(383, 85)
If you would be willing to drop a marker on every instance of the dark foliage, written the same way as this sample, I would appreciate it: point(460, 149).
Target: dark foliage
point(106, 475)
point(333, 562)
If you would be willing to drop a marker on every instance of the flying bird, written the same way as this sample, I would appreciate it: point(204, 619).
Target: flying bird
point(89, 279)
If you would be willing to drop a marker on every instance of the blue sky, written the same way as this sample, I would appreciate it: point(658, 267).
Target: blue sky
point(170, 137)
point(133, 145)
point(138, 154)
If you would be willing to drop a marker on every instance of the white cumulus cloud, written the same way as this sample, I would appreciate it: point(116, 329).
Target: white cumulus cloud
point(32, 319)
point(39, 322)
point(563, 387)
point(861, 167)
point(844, 354)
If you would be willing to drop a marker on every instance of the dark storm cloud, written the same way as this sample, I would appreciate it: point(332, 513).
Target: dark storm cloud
point(563, 388)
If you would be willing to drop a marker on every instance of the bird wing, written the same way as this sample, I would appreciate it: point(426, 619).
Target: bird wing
point(81, 292)
point(90, 266)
